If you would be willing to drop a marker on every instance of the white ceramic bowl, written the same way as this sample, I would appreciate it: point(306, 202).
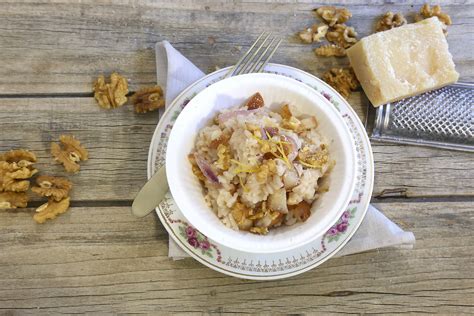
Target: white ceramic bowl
point(276, 90)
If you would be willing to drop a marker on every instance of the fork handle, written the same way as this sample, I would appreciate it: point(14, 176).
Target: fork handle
point(151, 194)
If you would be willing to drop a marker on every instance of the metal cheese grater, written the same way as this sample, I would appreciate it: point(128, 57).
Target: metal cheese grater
point(440, 118)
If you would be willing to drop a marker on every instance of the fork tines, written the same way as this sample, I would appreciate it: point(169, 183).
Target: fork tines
point(257, 56)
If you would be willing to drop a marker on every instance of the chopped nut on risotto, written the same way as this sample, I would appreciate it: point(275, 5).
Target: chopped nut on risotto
point(260, 168)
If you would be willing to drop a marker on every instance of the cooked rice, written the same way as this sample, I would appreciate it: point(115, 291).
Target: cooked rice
point(260, 168)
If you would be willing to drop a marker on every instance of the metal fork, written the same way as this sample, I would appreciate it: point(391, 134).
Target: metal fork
point(255, 59)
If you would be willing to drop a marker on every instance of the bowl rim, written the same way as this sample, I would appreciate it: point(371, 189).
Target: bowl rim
point(202, 227)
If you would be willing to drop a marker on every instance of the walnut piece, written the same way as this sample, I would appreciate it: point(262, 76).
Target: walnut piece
point(51, 210)
point(342, 79)
point(285, 112)
point(389, 21)
point(113, 94)
point(255, 101)
point(257, 220)
point(14, 175)
point(11, 185)
point(224, 157)
point(195, 169)
point(259, 230)
point(16, 171)
point(333, 15)
point(13, 200)
point(241, 214)
point(70, 153)
point(314, 33)
point(314, 159)
point(306, 36)
point(330, 50)
point(301, 212)
point(427, 12)
point(222, 139)
point(342, 35)
point(18, 156)
point(56, 188)
point(148, 99)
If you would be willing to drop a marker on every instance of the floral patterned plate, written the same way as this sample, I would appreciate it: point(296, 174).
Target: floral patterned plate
point(276, 265)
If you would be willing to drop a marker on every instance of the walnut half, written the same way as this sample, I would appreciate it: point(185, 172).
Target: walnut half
point(69, 153)
point(333, 15)
point(56, 188)
point(314, 33)
point(427, 12)
point(148, 99)
point(342, 79)
point(14, 178)
point(13, 200)
point(20, 156)
point(51, 210)
point(16, 167)
point(330, 50)
point(342, 35)
point(389, 21)
point(112, 94)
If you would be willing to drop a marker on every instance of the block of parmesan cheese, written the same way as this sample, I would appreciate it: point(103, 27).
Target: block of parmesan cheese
point(403, 61)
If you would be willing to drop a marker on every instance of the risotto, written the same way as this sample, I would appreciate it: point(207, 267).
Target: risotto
point(259, 168)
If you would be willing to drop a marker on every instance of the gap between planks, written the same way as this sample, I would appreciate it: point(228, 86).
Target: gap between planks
point(52, 95)
point(430, 199)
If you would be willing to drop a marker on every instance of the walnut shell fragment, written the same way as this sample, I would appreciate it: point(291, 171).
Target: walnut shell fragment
point(330, 50)
point(333, 15)
point(113, 94)
point(51, 210)
point(342, 79)
point(389, 21)
point(148, 99)
point(56, 188)
point(70, 153)
point(13, 200)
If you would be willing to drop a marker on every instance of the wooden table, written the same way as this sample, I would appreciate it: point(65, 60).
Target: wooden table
point(97, 258)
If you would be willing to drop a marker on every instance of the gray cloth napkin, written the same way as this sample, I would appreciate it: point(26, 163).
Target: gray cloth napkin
point(175, 72)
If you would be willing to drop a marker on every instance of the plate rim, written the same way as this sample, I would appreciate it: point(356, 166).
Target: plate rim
point(351, 175)
point(150, 165)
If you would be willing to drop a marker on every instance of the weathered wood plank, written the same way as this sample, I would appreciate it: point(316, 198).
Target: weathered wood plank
point(118, 141)
point(61, 46)
point(102, 260)
point(105, 260)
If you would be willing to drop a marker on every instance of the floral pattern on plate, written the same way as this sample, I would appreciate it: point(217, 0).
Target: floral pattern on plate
point(265, 266)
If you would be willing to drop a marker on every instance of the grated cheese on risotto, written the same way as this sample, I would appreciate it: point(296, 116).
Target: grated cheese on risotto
point(259, 168)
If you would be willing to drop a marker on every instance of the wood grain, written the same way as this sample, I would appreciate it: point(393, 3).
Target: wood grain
point(103, 260)
point(62, 46)
point(98, 259)
point(118, 141)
